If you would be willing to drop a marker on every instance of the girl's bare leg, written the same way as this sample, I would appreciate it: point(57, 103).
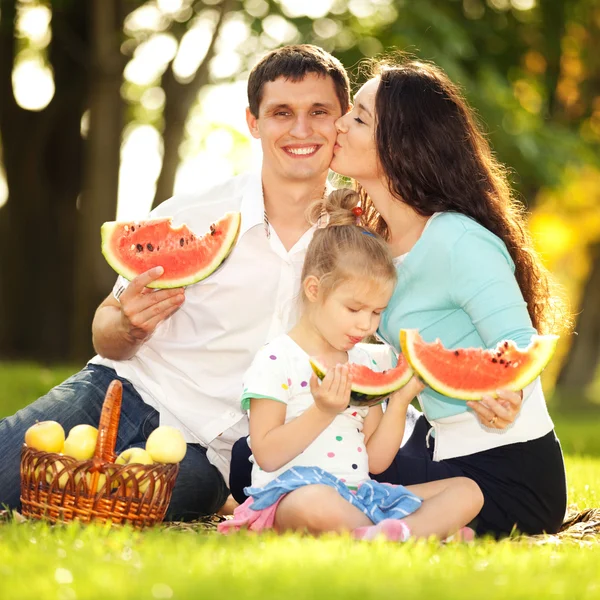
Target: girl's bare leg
point(448, 505)
point(318, 509)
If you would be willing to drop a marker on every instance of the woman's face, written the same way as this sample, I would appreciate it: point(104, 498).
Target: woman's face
point(355, 151)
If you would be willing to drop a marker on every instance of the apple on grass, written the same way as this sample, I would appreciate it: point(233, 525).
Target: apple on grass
point(166, 445)
point(48, 436)
point(81, 442)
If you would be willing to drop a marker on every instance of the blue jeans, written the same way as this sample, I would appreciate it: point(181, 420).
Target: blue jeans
point(200, 488)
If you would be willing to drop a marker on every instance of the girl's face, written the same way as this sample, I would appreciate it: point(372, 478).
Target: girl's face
point(355, 151)
point(350, 312)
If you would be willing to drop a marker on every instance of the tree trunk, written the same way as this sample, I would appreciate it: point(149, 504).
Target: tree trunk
point(42, 159)
point(554, 21)
point(177, 106)
point(94, 278)
point(582, 361)
point(179, 98)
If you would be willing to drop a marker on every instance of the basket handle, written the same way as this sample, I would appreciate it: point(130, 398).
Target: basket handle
point(109, 424)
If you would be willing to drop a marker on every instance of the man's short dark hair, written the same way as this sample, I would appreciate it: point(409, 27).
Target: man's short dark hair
point(294, 63)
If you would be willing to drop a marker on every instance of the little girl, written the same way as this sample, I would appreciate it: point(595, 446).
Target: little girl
point(306, 439)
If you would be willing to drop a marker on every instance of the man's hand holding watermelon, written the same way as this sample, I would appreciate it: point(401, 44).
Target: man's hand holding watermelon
point(121, 326)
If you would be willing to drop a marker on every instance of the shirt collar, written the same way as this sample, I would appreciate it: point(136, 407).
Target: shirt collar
point(252, 207)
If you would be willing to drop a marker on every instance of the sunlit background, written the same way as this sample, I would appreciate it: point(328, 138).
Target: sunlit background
point(531, 69)
point(218, 119)
point(218, 144)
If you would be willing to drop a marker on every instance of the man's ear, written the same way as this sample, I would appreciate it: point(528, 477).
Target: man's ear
point(252, 123)
point(311, 288)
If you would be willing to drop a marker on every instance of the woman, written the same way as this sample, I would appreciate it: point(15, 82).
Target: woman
point(467, 273)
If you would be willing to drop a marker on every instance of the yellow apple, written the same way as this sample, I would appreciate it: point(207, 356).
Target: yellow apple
point(48, 436)
point(101, 481)
point(59, 469)
point(81, 442)
point(166, 445)
point(133, 456)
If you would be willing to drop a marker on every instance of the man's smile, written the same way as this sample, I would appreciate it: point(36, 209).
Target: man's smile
point(301, 151)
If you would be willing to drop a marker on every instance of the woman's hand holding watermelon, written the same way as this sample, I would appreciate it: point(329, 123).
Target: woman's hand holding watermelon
point(143, 308)
point(500, 412)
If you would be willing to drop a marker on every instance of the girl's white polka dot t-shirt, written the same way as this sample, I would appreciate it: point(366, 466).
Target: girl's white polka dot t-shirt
point(281, 372)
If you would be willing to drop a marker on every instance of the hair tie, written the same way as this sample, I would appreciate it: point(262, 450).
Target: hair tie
point(323, 220)
point(357, 211)
point(368, 233)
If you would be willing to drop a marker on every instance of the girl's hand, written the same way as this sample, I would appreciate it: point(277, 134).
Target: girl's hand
point(500, 412)
point(406, 394)
point(332, 395)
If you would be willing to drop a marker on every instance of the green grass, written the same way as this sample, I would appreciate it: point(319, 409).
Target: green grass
point(64, 563)
point(22, 383)
point(39, 562)
point(579, 434)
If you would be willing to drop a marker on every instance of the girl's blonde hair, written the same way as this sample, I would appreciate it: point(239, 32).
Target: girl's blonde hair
point(342, 249)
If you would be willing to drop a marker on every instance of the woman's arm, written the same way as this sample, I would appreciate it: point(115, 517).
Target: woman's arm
point(275, 442)
point(384, 430)
point(485, 287)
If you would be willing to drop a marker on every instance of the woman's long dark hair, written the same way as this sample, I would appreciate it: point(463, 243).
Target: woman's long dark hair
point(435, 158)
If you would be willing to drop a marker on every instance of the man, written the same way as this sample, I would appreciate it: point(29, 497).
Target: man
point(181, 354)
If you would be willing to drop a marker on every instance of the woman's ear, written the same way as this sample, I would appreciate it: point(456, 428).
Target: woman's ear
point(311, 288)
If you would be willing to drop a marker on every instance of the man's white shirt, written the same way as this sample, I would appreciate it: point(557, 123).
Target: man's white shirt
point(191, 369)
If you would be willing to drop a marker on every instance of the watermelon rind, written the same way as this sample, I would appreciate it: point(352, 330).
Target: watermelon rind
point(367, 395)
point(541, 347)
point(229, 239)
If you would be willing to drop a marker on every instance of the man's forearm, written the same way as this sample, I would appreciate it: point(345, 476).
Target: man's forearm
point(109, 337)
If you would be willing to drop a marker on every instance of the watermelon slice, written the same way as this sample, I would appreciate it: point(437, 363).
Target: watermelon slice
point(370, 387)
point(470, 373)
point(131, 248)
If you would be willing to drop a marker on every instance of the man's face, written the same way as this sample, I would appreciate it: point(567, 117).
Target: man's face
point(296, 127)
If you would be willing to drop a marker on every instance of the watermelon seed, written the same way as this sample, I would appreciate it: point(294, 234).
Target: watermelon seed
point(181, 242)
point(212, 230)
point(456, 353)
point(501, 361)
point(132, 228)
point(140, 248)
point(494, 360)
point(150, 247)
point(506, 344)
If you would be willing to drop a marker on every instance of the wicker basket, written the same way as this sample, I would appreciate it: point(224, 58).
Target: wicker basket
point(60, 489)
